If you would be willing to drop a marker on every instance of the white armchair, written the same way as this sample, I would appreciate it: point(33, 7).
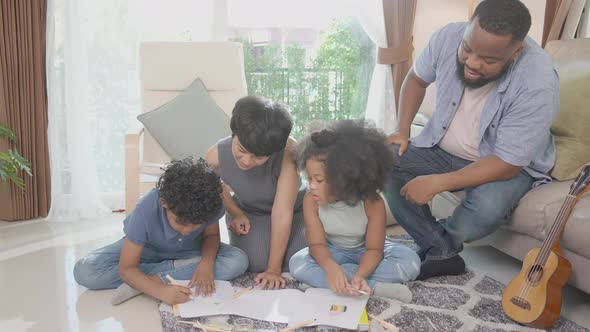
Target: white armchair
point(166, 69)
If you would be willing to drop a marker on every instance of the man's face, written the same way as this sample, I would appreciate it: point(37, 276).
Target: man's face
point(484, 57)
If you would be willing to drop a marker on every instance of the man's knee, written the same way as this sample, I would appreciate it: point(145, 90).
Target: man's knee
point(485, 218)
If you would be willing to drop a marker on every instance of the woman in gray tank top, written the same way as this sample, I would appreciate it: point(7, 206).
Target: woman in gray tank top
point(257, 164)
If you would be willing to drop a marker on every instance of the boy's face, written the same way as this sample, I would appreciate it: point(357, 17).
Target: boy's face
point(318, 186)
point(245, 159)
point(184, 229)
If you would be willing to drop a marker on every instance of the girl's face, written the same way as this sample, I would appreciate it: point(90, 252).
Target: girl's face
point(318, 186)
point(244, 159)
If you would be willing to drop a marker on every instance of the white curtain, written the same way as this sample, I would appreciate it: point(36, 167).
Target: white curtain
point(381, 101)
point(93, 90)
point(75, 192)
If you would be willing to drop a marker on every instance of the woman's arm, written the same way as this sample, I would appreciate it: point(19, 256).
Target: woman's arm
point(282, 210)
point(237, 215)
point(375, 238)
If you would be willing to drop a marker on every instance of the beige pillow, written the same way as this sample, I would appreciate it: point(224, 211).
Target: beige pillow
point(571, 127)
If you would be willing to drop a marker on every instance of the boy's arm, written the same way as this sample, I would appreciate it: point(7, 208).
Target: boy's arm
point(375, 237)
point(210, 245)
point(151, 285)
point(204, 278)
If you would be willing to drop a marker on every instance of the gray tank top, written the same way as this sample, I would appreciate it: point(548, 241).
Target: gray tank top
point(254, 189)
point(345, 226)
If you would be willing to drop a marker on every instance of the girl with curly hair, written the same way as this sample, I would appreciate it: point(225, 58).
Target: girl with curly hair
point(348, 165)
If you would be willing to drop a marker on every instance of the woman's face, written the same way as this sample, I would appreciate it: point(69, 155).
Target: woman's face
point(318, 186)
point(244, 159)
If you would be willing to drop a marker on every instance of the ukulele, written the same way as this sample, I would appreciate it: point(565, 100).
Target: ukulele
point(533, 297)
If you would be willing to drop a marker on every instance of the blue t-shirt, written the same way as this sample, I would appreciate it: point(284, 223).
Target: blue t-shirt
point(148, 226)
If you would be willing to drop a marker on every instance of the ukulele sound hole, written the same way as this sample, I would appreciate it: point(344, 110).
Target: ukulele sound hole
point(519, 302)
point(535, 273)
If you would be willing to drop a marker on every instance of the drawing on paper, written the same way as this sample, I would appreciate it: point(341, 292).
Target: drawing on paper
point(335, 308)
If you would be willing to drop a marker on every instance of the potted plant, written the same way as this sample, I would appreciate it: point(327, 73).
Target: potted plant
point(11, 162)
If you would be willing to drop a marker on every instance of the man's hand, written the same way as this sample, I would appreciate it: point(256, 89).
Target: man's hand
point(240, 225)
point(400, 139)
point(422, 189)
point(270, 280)
point(203, 279)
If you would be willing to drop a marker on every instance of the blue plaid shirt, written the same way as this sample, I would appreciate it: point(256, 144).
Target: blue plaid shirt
point(518, 112)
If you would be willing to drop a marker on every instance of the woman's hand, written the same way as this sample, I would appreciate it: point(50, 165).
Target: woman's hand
point(270, 280)
point(240, 225)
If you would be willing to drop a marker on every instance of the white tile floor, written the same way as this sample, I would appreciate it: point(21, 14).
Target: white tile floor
point(38, 293)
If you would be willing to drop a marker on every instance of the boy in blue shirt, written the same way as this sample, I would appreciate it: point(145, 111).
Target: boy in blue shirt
point(174, 231)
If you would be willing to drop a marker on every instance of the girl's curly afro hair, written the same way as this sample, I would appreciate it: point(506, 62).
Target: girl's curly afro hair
point(192, 191)
point(357, 161)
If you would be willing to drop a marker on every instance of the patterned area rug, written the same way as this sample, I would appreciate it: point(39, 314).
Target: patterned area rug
point(468, 302)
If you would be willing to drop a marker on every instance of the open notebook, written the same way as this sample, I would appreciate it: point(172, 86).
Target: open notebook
point(282, 306)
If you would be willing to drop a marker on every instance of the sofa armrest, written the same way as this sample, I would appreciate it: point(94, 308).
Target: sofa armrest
point(132, 162)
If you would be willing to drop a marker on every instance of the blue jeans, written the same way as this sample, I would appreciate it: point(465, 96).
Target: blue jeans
point(480, 213)
point(100, 268)
point(399, 265)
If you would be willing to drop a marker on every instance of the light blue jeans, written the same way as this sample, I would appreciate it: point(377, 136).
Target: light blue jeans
point(100, 268)
point(480, 213)
point(399, 264)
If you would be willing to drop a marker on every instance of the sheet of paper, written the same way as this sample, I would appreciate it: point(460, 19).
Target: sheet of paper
point(328, 308)
point(268, 305)
point(201, 305)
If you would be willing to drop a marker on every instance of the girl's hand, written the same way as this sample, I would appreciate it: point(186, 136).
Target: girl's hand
point(360, 283)
point(173, 294)
point(240, 225)
point(337, 280)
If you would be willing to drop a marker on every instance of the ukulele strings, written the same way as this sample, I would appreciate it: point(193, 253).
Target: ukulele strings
point(546, 249)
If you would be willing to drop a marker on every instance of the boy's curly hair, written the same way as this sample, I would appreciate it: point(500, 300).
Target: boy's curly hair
point(191, 190)
point(356, 159)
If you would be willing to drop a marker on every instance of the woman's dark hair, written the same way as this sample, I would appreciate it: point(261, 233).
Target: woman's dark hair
point(357, 161)
point(262, 126)
point(504, 17)
point(192, 191)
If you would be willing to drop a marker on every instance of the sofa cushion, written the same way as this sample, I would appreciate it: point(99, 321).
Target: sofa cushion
point(188, 124)
point(570, 128)
point(538, 209)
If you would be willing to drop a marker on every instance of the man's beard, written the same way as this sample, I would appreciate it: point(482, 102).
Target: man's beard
point(482, 81)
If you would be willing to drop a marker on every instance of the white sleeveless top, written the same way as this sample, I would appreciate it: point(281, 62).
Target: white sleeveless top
point(345, 226)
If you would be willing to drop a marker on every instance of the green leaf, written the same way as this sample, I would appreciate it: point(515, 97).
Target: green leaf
point(6, 132)
point(20, 162)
